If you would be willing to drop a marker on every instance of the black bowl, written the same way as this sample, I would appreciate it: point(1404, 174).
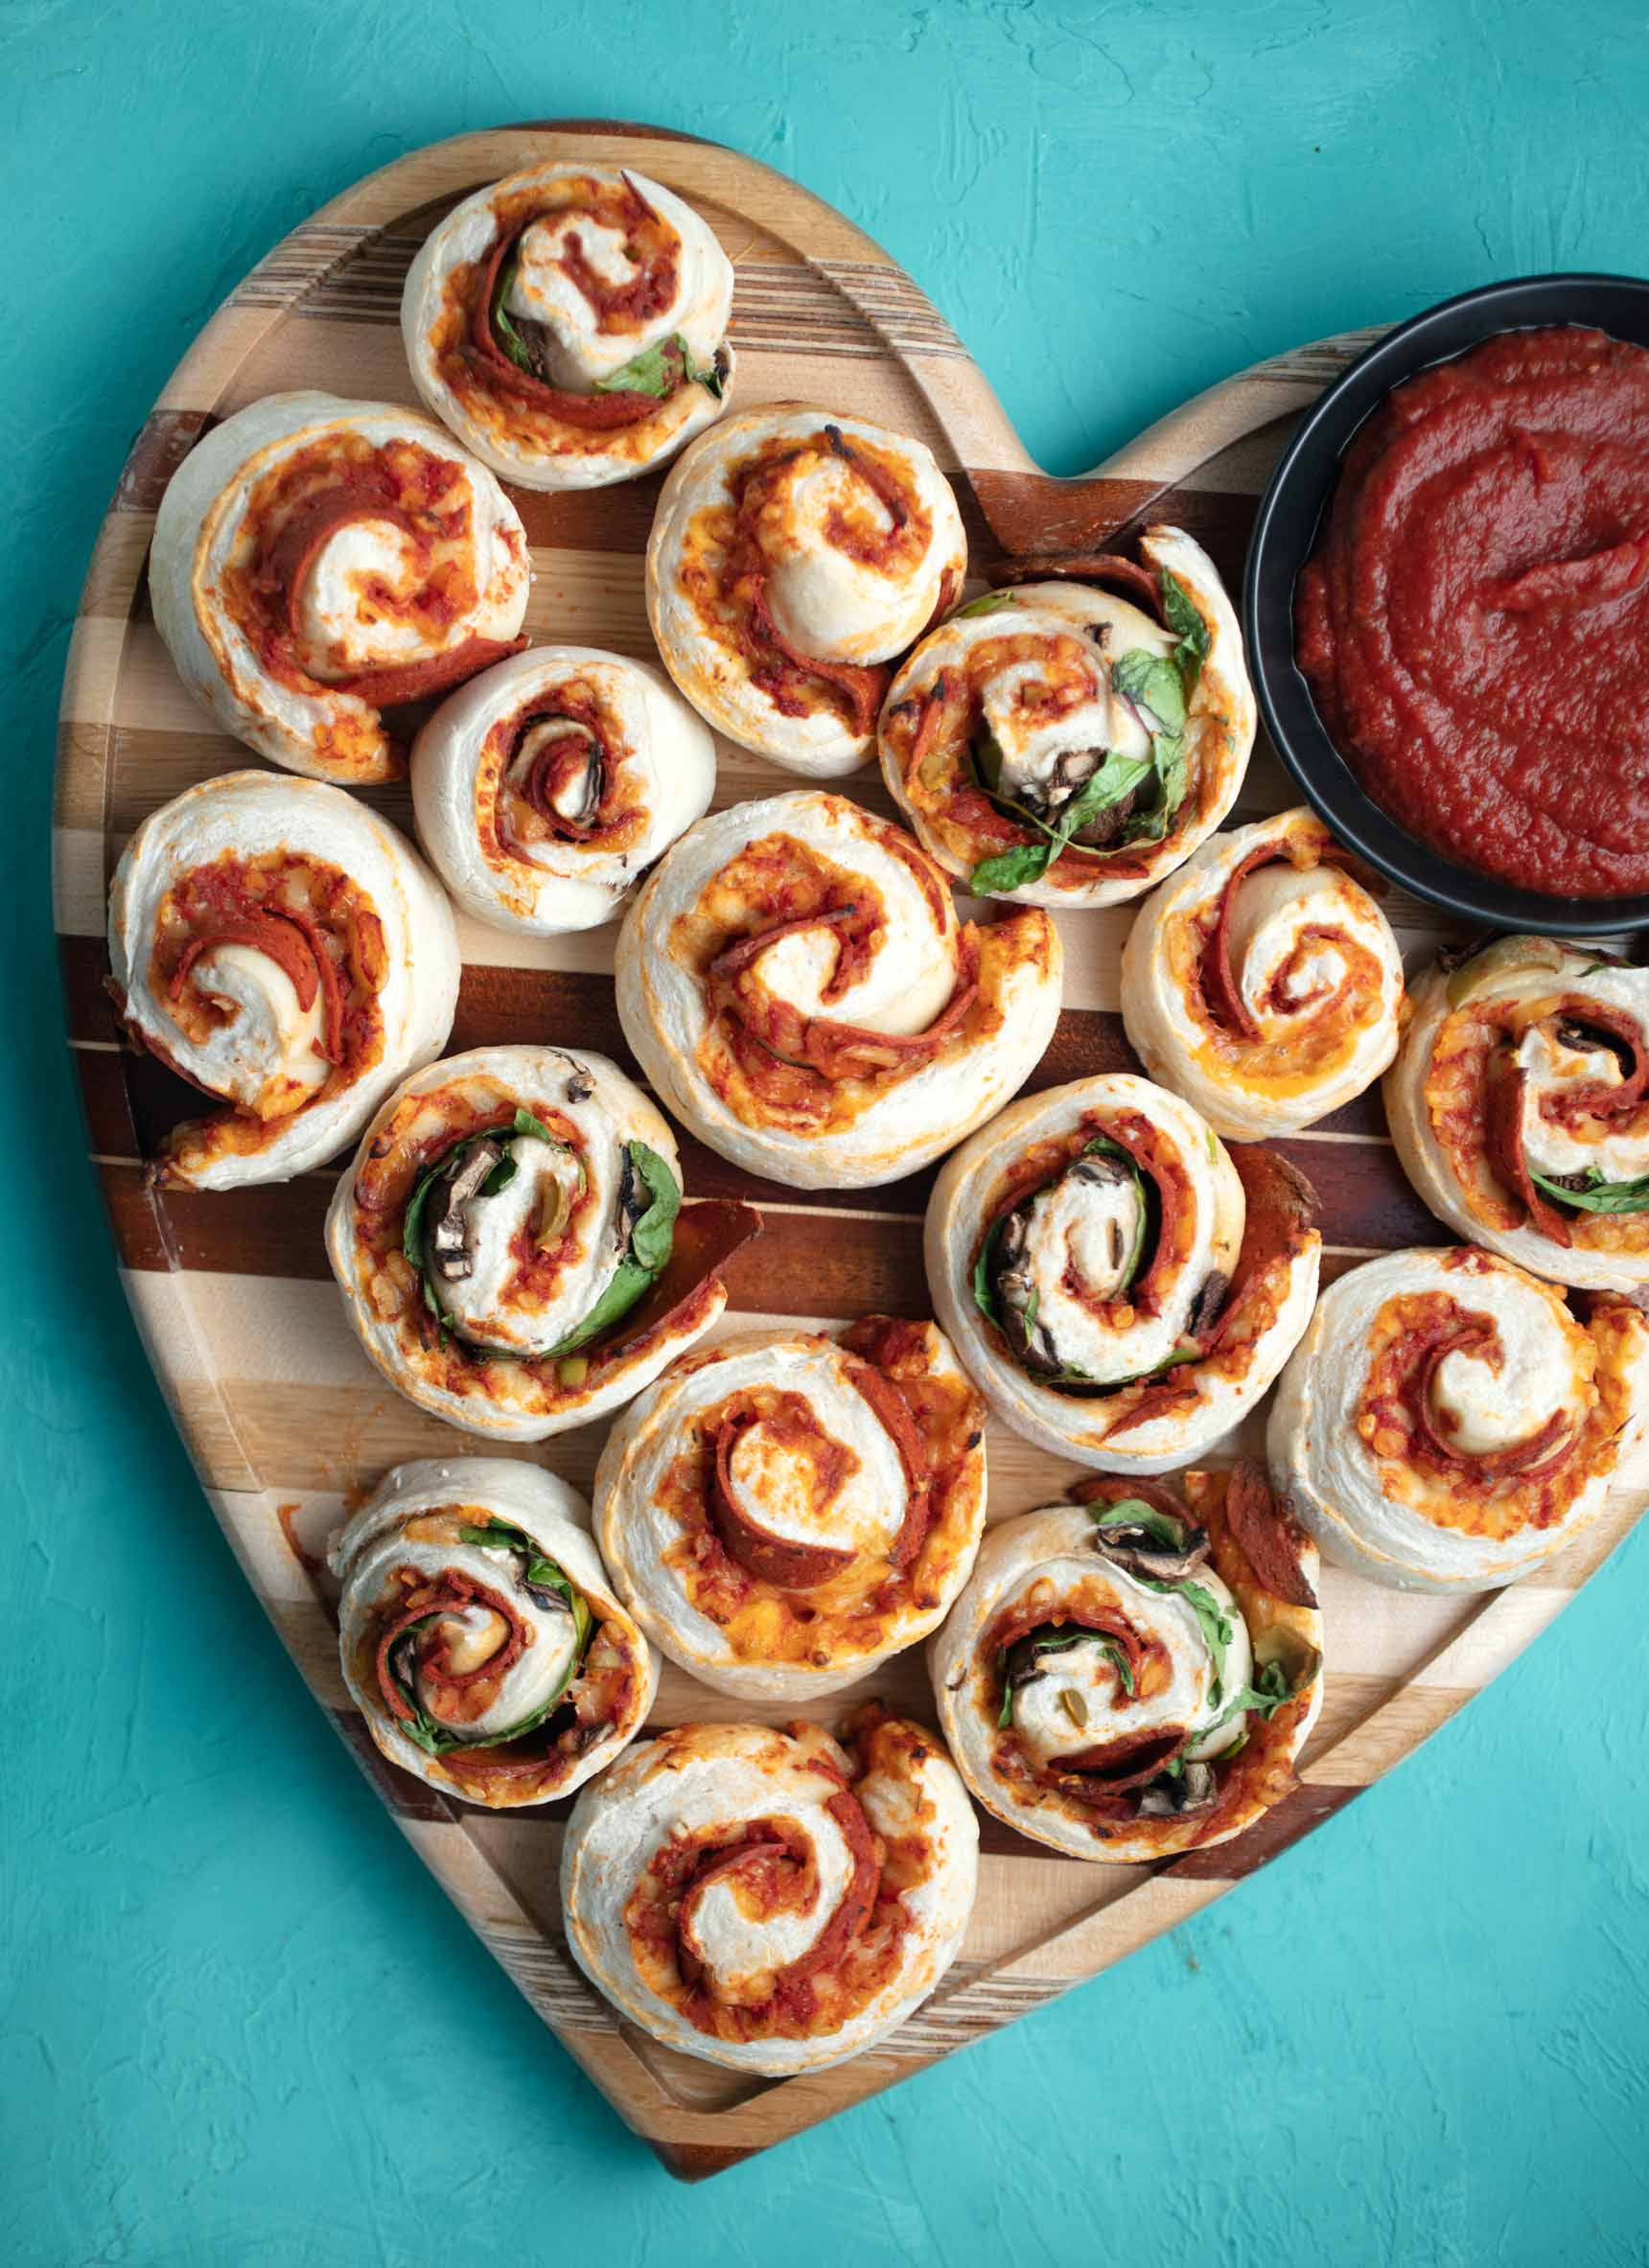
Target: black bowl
point(1286, 533)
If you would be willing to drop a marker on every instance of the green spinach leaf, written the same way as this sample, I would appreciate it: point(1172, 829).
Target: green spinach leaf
point(1189, 628)
point(503, 329)
point(1152, 681)
point(1599, 1196)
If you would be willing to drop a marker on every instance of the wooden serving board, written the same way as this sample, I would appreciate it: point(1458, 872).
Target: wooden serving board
point(286, 1421)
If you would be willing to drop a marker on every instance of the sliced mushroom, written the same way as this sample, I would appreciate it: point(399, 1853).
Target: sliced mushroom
point(461, 1180)
point(1192, 1788)
point(1014, 1290)
point(1132, 1547)
point(1207, 1304)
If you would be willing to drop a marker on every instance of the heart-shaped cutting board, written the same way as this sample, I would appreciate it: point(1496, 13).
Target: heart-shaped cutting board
point(284, 1420)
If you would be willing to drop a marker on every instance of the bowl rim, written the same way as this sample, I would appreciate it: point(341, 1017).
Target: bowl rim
point(1310, 462)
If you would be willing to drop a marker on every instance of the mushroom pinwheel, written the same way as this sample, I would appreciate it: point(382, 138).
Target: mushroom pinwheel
point(1520, 1107)
point(511, 1246)
point(784, 1511)
point(282, 949)
point(1262, 981)
point(319, 564)
point(547, 786)
point(1121, 1286)
point(798, 989)
point(773, 1900)
point(1069, 743)
point(1449, 1421)
point(1128, 1675)
point(570, 324)
point(793, 556)
point(479, 1635)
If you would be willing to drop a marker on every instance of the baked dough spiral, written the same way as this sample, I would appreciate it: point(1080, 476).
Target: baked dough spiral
point(508, 1244)
point(772, 1901)
point(547, 786)
point(1447, 1423)
point(1067, 743)
point(479, 1634)
point(282, 949)
point(795, 554)
point(319, 562)
point(570, 324)
point(1128, 1675)
point(796, 985)
point(1262, 981)
point(1520, 1107)
point(1120, 1287)
point(784, 1511)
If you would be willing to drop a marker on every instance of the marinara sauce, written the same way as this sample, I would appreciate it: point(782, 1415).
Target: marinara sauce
point(1474, 624)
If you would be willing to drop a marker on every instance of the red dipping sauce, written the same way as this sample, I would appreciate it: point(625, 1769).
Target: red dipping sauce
point(1474, 622)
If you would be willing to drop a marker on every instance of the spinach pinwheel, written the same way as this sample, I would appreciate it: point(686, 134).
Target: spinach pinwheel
point(1130, 1675)
point(1121, 1286)
point(1068, 743)
point(1520, 1107)
point(479, 1635)
point(511, 1245)
point(570, 324)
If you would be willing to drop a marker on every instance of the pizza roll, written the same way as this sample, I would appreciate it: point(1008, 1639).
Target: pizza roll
point(1448, 1422)
point(319, 564)
point(1069, 743)
point(1130, 1676)
point(796, 554)
point(798, 989)
point(570, 324)
point(547, 786)
point(784, 1511)
point(282, 948)
point(1520, 1107)
point(479, 1635)
point(1121, 1286)
point(773, 1900)
point(1262, 982)
point(510, 1244)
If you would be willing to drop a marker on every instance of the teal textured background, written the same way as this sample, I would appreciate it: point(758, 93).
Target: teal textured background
point(239, 2023)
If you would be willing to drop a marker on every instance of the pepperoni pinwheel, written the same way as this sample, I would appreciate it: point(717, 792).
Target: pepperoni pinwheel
point(1449, 1423)
point(1262, 981)
point(773, 1900)
point(797, 986)
point(318, 565)
point(784, 1511)
point(282, 949)
point(549, 785)
point(795, 555)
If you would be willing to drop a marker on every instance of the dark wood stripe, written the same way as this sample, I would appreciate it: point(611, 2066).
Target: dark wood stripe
point(134, 1101)
point(516, 1006)
point(805, 1264)
point(1030, 512)
point(1284, 1825)
point(167, 437)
